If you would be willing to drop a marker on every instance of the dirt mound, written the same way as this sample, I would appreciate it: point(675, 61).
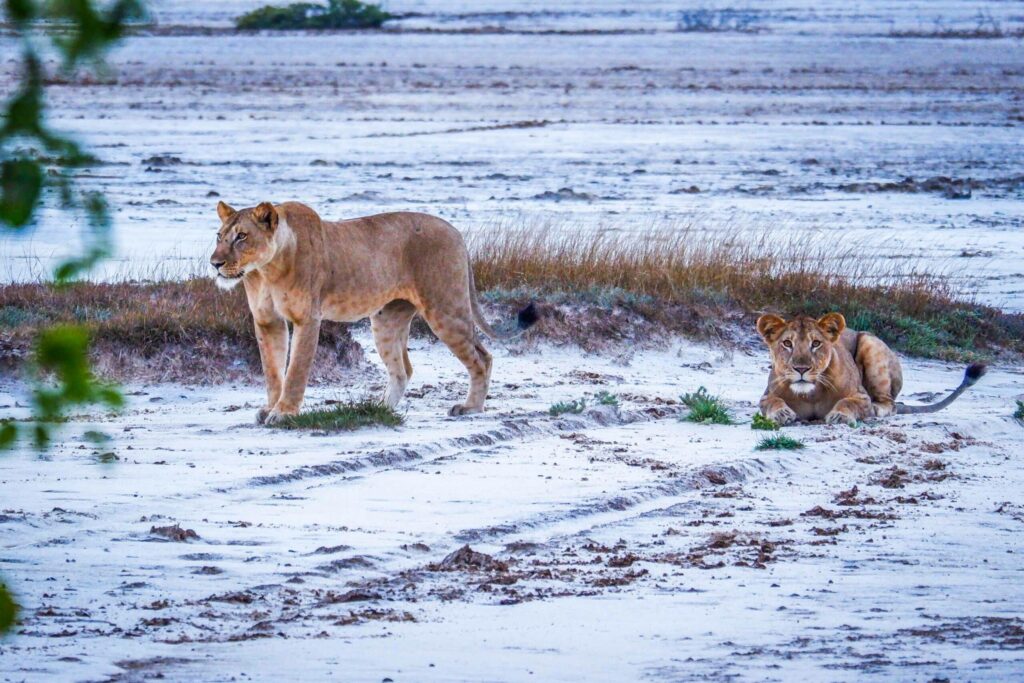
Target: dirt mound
point(467, 559)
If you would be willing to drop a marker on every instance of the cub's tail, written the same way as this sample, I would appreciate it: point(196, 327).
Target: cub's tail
point(524, 321)
point(974, 372)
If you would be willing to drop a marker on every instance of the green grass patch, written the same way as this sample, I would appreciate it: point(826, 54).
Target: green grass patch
point(337, 14)
point(705, 409)
point(779, 442)
point(1019, 414)
point(345, 417)
point(762, 422)
point(571, 407)
point(605, 398)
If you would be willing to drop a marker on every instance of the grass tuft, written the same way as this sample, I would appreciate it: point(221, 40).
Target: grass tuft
point(605, 398)
point(762, 422)
point(779, 442)
point(345, 417)
point(574, 407)
point(1019, 414)
point(337, 14)
point(705, 408)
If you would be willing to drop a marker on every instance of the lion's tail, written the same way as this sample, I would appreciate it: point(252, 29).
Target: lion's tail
point(974, 372)
point(526, 318)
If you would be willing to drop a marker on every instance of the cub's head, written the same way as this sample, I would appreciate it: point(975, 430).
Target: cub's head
point(245, 242)
point(801, 348)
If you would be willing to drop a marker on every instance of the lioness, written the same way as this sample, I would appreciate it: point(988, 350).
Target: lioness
point(821, 369)
point(300, 269)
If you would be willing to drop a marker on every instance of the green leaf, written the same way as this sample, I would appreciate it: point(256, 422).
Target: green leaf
point(8, 433)
point(21, 182)
point(21, 11)
point(8, 610)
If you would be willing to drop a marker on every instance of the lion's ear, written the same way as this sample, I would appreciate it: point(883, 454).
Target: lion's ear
point(266, 215)
point(770, 326)
point(832, 325)
point(225, 212)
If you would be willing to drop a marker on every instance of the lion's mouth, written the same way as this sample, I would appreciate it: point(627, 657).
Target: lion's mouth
point(229, 276)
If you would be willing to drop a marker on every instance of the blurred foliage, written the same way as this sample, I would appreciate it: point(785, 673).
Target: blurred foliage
point(337, 14)
point(80, 31)
point(8, 610)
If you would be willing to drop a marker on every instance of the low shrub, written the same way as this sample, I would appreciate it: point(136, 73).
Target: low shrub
point(337, 14)
point(779, 442)
point(574, 407)
point(705, 408)
point(344, 417)
point(762, 422)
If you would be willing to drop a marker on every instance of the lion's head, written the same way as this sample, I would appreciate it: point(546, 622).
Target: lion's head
point(245, 242)
point(801, 348)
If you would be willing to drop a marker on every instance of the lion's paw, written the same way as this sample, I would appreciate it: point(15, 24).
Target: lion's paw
point(261, 414)
point(459, 409)
point(783, 416)
point(837, 417)
point(276, 417)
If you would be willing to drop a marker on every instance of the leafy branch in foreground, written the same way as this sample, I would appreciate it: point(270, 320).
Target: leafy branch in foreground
point(337, 14)
point(81, 31)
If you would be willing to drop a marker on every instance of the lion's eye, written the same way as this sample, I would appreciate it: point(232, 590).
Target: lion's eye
point(240, 237)
point(815, 344)
point(788, 344)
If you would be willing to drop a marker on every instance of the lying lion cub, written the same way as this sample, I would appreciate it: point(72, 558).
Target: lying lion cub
point(821, 370)
point(299, 269)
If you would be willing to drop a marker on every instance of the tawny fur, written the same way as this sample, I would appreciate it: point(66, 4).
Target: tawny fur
point(822, 370)
point(815, 375)
point(299, 269)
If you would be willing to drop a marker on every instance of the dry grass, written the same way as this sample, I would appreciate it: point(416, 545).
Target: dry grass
point(595, 289)
point(693, 281)
point(163, 331)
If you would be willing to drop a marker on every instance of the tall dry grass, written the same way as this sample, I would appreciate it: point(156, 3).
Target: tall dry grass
point(678, 264)
point(682, 279)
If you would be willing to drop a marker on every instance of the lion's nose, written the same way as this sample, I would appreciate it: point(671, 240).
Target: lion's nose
point(217, 264)
point(802, 371)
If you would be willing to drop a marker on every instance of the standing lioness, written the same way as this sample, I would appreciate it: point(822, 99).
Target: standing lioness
point(823, 370)
point(297, 268)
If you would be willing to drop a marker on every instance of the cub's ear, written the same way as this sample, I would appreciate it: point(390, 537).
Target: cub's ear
point(225, 212)
point(266, 215)
point(832, 325)
point(770, 326)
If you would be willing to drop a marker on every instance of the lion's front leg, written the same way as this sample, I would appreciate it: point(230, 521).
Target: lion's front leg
point(272, 337)
point(776, 410)
point(851, 409)
point(305, 337)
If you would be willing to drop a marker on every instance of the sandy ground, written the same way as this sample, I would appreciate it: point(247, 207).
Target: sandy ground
point(621, 543)
point(600, 116)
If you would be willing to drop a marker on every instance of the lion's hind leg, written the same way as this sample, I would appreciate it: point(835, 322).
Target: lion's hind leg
point(390, 326)
point(458, 332)
point(881, 373)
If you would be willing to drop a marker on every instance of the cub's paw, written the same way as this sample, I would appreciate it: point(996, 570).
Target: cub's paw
point(838, 417)
point(261, 414)
point(459, 409)
point(782, 416)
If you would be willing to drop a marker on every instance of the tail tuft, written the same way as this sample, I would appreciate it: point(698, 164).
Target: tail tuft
point(974, 372)
point(529, 315)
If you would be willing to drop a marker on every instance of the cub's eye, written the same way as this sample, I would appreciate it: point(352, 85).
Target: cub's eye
point(788, 344)
point(815, 344)
point(240, 237)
